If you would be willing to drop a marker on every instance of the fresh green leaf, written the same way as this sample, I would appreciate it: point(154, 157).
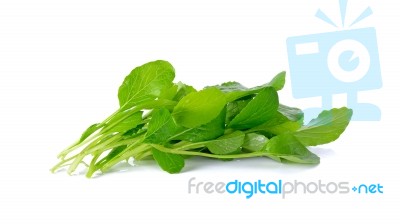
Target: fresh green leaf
point(259, 110)
point(278, 82)
point(234, 108)
point(288, 119)
point(148, 105)
point(113, 153)
point(145, 83)
point(97, 165)
point(199, 108)
point(291, 113)
point(254, 142)
point(288, 147)
point(230, 87)
point(183, 90)
point(159, 103)
point(127, 124)
point(282, 128)
point(167, 121)
point(169, 93)
point(235, 90)
point(161, 127)
point(277, 125)
point(226, 144)
point(327, 127)
point(89, 131)
point(209, 131)
point(172, 163)
point(138, 130)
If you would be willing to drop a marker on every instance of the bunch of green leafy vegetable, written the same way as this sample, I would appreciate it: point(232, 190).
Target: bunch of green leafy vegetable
point(168, 122)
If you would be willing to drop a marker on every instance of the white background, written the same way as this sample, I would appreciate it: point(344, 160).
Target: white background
point(60, 68)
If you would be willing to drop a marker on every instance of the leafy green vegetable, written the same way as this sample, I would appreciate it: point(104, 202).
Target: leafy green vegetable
point(277, 125)
point(235, 107)
point(172, 163)
point(291, 113)
point(288, 147)
point(235, 90)
point(259, 110)
point(211, 130)
point(199, 108)
point(183, 90)
point(254, 142)
point(327, 127)
point(278, 82)
point(167, 122)
point(226, 144)
point(128, 123)
point(288, 119)
point(145, 83)
point(161, 127)
point(90, 130)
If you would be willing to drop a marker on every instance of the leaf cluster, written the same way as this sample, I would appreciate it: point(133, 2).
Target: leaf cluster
point(169, 122)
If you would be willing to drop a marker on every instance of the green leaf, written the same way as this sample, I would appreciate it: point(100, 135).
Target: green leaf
point(145, 83)
point(169, 93)
point(229, 87)
point(277, 125)
point(183, 90)
point(327, 127)
point(177, 91)
point(234, 108)
point(159, 103)
point(209, 131)
point(148, 105)
point(285, 127)
point(134, 132)
point(89, 131)
point(291, 113)
point(112, 154)
point(199, 108)
point(259, 110)
point(235, 90)
point(172, 163)
point(254, 142)
point(278, 82)
point(288, 119)
point(288, 147)
point(127, 124)
point(161, 127)
point(226, 144)
point(94, 166)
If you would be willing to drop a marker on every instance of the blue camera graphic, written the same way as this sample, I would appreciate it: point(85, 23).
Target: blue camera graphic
point(338, 62)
